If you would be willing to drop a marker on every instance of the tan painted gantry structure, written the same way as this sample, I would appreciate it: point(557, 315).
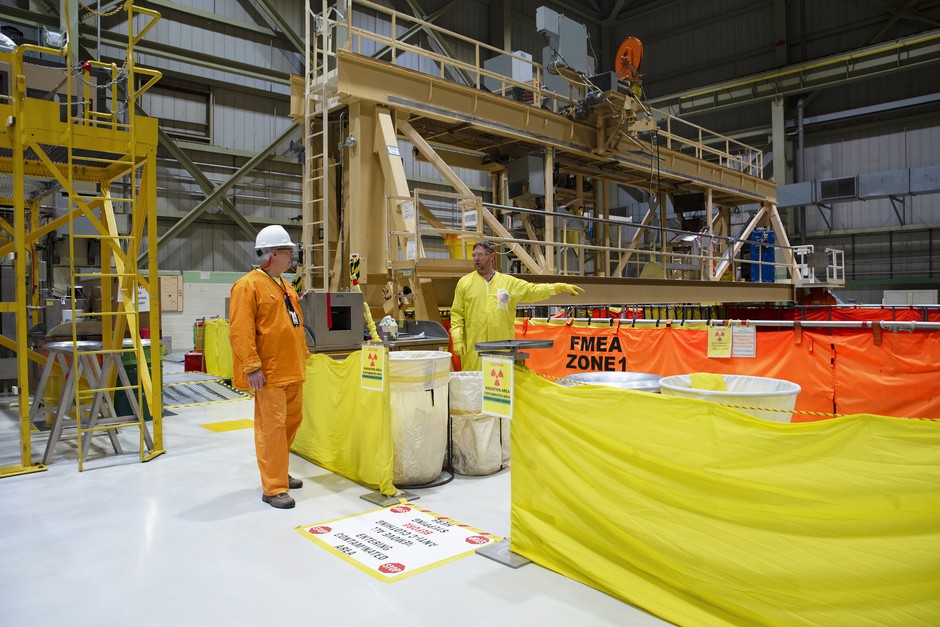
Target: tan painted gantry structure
point(44, 151)
point(461, 125)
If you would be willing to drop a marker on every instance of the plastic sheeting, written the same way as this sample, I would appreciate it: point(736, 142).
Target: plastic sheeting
point(476, 437)
point(706, 516)
point(346, 429)
point(218, 348)
point(418, 384)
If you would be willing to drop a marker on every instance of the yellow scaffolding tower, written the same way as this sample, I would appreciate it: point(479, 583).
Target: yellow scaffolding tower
point(67, 146)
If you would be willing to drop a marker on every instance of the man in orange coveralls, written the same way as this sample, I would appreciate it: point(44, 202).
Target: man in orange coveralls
point(269, 350)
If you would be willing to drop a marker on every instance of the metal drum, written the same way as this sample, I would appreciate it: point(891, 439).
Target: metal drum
point(640, 381)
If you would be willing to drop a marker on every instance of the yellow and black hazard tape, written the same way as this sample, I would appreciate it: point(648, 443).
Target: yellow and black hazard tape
point(801, 412)
point(785, 411)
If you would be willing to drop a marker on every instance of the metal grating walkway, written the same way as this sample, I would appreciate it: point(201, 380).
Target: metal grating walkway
point(199, 393)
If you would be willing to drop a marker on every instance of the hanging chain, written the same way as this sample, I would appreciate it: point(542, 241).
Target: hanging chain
point(96, 12)
point(78, 72)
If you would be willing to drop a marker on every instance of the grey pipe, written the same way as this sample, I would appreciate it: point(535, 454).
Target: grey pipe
point(798, 163)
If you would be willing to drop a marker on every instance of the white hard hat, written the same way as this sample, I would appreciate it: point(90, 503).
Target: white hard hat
point(272, 236)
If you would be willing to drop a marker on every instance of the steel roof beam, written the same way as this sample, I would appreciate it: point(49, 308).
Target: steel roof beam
point(282, 25)
point(417, 28)
point(218, 192)
point(909, 52)
point(175, 7)
point(436, 39)
point(164, 51)
point(576, 10)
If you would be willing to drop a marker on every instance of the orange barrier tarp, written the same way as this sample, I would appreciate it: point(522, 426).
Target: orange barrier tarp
point(898, 377)
point(842, 373)
point(840, 314)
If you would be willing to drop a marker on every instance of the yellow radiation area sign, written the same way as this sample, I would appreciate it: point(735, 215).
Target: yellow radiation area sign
point(373, 366)
point(497, 386)
point(719, 341)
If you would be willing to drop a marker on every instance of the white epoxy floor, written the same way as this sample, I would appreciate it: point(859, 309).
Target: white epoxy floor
point(185, 540)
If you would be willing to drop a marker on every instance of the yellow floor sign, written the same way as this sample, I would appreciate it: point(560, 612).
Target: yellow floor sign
point(395, 542)
point(229, 425)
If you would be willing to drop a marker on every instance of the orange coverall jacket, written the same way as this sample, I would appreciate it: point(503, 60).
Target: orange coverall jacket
point(262, 334)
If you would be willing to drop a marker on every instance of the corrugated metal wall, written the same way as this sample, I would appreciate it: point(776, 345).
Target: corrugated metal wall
point(235, 114)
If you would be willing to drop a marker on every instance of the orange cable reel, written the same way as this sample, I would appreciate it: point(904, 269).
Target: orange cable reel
point(627, 63)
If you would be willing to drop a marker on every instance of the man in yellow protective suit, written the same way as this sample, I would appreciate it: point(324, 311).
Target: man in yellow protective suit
point(484, 308)
point(268, 352)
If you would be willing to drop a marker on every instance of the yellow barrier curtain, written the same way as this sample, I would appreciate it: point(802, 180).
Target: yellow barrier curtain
point(706, 516)
point(346, 429)
point(218, 349)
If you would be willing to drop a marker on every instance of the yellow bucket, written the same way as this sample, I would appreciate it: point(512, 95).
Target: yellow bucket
point(459, 249)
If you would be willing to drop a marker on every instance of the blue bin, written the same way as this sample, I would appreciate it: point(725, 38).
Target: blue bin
point(762, 242)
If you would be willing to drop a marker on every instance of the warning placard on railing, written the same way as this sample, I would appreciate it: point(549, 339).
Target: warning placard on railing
point(395, 542)
point(497, 386)
point(372, 372)
point(743, 341)
point(719, 341)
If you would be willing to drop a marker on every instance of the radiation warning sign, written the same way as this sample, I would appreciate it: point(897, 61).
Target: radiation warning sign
point(497, 386)
point(395, 542)
point(373, 366)
point(719, 341)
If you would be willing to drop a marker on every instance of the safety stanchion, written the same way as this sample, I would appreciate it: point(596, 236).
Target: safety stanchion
point(502, 551)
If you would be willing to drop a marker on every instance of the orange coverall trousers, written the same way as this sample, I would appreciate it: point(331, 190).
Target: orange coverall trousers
point(278, 415)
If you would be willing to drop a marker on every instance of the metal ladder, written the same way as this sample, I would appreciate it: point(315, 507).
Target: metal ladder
point(101, 365)
point(318, 168)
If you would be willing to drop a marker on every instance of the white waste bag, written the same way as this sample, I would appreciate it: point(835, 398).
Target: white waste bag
point(478, 447)
point(418, 390)
point(749, 394)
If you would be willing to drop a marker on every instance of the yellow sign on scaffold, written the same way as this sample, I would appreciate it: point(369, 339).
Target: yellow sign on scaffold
point(374, 358)
point(497, 386)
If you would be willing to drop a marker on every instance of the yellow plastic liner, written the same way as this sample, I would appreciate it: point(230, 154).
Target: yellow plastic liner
point(706, 516)
point(708, 381)
point(346, 429)
point(218, 348)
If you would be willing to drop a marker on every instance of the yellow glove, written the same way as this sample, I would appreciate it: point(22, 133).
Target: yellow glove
point(458, 348)
point(574, 290)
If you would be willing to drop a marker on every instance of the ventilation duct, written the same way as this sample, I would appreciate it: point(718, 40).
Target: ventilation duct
point(838, 189)
point(891, 184)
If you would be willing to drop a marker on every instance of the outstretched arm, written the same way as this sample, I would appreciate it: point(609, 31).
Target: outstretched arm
point(568, 288)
